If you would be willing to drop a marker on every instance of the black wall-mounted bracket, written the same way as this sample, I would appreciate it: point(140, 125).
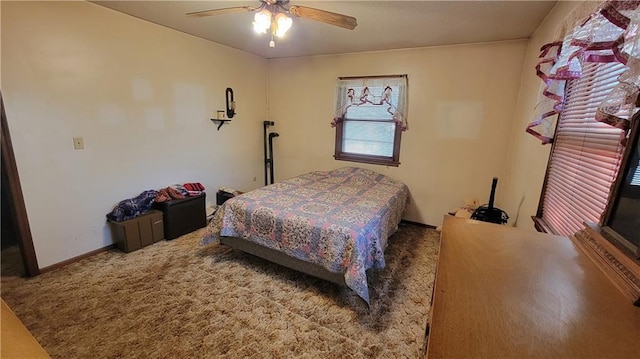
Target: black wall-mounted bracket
point(231, 103)
point(219, 122)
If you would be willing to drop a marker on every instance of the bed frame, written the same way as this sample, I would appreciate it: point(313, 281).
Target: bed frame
point(365, 222)
point(280, 258)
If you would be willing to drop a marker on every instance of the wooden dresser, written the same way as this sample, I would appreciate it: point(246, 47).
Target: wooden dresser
point(16, 342)
point(501, 292)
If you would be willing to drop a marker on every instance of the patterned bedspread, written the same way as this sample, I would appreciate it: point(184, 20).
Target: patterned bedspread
point(338, 219)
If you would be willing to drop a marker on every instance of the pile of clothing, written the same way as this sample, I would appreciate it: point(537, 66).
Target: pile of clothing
point(194, 189)
point(133, 207)
point(178, 191)
point(169, 193)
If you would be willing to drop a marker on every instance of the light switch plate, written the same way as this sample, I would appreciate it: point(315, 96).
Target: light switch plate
point(78, 143)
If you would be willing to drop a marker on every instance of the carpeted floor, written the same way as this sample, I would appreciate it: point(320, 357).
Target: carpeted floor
point(176, 299)
point(11, 266)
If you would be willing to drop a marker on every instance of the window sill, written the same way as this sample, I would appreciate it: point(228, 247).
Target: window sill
point(620, 269)
point(541, 225)
point(384, 161)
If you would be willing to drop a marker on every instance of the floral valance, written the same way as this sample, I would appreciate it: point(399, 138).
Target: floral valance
point(609, 34)
point(389, 92)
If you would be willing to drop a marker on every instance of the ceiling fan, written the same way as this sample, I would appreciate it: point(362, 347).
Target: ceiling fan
point(272, 14)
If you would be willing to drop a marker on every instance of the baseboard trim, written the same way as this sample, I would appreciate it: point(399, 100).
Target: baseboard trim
point(418, 224)
point(77, 259)
point(113, 246)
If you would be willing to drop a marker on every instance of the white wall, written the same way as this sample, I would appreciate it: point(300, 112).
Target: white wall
point(461, 105)
point(140, 95)
point(527, 159)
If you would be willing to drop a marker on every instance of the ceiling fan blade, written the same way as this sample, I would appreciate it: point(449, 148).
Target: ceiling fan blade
point(227, 10)
point(328, 17)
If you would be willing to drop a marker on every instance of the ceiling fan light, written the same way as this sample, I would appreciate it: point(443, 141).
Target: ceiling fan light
point(258, 28)
point(262, 21)
point(283, 24)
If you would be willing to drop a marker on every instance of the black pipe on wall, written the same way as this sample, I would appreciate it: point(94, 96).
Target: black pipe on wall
point(265, 126)
point(271, 136)
point(268, 152)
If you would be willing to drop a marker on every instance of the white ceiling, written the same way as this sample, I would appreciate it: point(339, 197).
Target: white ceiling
point(382, 25)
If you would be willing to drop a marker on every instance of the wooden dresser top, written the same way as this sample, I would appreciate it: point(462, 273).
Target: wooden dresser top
point(501, 292)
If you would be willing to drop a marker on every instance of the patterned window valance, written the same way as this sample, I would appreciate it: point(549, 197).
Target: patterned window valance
point(611, 33)
point(386, 91)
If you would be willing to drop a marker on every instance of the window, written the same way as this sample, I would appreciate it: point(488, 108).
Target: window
point(635, 179)
point(370, 118)
point(589, 193)
point(623, 222)
point(585, 157)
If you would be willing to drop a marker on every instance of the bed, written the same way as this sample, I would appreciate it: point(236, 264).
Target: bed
point(330, 224)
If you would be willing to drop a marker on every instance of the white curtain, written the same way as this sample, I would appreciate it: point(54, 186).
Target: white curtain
point(610, 33)
point(387, 91)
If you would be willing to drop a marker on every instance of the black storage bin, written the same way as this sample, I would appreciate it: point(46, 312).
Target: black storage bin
point(182, 216)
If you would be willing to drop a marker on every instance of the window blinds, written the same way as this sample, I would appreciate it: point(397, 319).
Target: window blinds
point(586, 155)
point(635, 180)
point(369, 129)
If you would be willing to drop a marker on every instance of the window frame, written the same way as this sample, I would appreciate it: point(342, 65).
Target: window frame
point(341, 155)
point(616, 189)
